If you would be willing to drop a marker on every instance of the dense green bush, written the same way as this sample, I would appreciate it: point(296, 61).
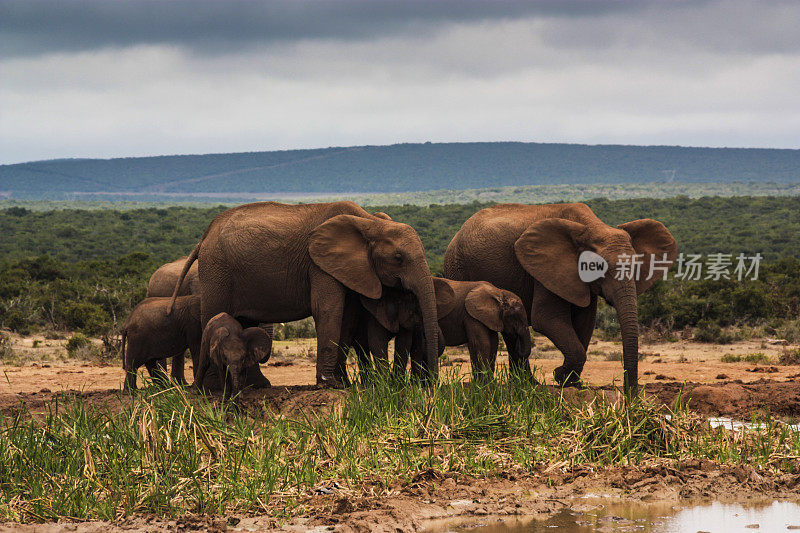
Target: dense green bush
point(774, 295)
point(76, 342)
point(85, 270)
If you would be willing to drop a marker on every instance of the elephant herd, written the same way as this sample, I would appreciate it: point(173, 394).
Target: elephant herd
point(364, 279)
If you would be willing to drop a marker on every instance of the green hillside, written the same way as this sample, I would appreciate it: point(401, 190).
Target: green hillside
point(398, 168)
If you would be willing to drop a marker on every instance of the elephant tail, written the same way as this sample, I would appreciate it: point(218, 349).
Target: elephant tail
point(186, 266)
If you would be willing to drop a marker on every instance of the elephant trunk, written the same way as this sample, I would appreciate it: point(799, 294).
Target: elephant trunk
point(626, 306)
point(236, 374)
point(523, 344)
point(423, 290)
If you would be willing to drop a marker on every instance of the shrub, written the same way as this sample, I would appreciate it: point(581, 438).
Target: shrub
point(76, 342)
point(755, 358)
point(607, 324)
point(81, 347)
point(790, 357)
point(712, 333)
point(301, 329)
point(86, 316)
point(5, 347)
point(17, 320)
point(790, 331)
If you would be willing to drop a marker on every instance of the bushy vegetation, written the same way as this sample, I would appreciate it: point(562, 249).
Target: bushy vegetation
point(167, 453)
point(755, 358)
point(85, 269)
point(771, 300)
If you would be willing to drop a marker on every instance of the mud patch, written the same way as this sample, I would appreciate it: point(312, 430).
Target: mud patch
point(538, 493)
point(734, 399)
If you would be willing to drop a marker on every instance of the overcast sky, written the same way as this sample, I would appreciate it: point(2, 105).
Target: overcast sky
point(107, 79)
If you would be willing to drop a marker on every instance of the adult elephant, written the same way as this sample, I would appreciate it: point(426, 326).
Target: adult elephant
point(533, 251)
point(162, 282)
point(270, 262)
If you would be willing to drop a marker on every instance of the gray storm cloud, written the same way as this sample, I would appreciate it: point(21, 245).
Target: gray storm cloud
point(33, 27)
point(104, 79)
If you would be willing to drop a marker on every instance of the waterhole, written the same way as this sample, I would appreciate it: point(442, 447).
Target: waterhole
point(595, 517)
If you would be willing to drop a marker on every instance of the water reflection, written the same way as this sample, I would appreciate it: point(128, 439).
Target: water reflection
point(653, 518)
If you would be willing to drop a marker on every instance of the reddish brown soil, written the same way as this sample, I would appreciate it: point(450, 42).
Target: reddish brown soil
point(734, 399)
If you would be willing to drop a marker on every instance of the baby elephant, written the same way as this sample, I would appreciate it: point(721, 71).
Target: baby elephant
point(469, 312)
point(233, 350)
point(151, 335)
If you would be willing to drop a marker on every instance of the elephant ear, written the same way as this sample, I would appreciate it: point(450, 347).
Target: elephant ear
point(483, 304)
point(259, 344)
point(385, 310)
point(548, 250)
point(381, 214)
point(654, 241)
point(219, 335)
point(340, 248)
point(445, 297)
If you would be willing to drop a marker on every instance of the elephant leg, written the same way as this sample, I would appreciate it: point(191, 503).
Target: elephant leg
point(130, 365)
point(327, 307)
point(194, 352)
point(178, 363)
point(200, 372)
point(378, 339)
point(341, 370)
point(361, 346)
point(552, 317)
point(583, 320)
point(417, 353)
point(492, 353)
point(157, 369)
point(256, 379)
point(130, 380)
point(350, 337)
point(482, 350)
point(402, 350)
point(270, 331)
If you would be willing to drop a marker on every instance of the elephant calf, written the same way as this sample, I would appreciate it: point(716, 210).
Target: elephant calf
point(470, 313)
point(152, 334)
point(233, 350)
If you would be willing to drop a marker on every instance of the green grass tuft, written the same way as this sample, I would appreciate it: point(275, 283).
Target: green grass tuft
point(169, 453)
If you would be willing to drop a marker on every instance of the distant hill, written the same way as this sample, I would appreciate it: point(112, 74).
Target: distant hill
point(398, 168)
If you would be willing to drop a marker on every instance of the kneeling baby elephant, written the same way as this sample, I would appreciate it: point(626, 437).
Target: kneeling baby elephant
point(232, 349)
point(152, 334)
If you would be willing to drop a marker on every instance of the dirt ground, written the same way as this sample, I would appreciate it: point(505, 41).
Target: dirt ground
point(40, 373)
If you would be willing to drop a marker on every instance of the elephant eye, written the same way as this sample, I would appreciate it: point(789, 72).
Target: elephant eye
point(398, 257)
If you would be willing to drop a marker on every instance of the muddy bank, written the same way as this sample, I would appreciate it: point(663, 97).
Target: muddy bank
point(734, 399)
point(432, 496)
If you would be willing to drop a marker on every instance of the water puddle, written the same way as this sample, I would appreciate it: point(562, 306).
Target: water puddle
point(736, 425)
point(649, 518)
